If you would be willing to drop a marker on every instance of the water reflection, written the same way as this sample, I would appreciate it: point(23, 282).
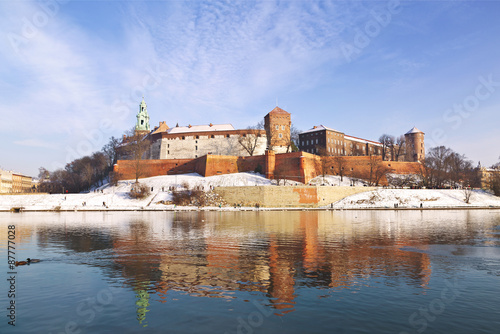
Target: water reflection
point(276, 254)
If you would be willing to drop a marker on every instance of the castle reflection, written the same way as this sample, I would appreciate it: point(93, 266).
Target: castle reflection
point(276, 254)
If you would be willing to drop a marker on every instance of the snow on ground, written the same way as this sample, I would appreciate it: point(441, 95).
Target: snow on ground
point(334, 180)
point(412, 198)
point(117, 197)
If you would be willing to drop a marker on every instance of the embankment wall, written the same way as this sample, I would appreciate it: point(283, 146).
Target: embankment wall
point(287, 196)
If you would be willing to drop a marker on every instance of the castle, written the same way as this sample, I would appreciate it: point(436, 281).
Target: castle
point(193, 141)
point(215, 149)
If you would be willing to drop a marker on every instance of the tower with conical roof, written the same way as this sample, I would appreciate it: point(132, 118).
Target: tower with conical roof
point(142, 124)
point(277, 124)
point(415, 148)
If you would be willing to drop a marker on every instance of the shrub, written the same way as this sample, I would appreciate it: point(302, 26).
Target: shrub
point(139, 191)
point(186, 196)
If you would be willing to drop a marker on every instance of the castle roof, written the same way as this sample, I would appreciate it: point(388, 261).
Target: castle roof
point(318, 128)
point(361, 140)
point(278, 110)
point(414, 130)
point(163, 127)
point(200, 128)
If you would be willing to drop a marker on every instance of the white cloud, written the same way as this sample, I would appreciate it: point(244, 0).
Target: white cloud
point(37, 143)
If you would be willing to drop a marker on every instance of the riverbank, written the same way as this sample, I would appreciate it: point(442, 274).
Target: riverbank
point(116, 198)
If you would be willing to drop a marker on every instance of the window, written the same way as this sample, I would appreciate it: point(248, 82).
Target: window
point(197, 137)
point(316, 140)
point(183, 137)
point(196, 147)
point(227, 136)
point(280, 135)
point(142, 122)
point(212, 136)
point(282, 127)
point(277, 127)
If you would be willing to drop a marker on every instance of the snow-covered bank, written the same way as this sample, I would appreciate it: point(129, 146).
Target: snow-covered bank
point(416, 198)
point(117, 197)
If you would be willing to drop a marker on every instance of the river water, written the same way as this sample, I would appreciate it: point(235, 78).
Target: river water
point(253, 272)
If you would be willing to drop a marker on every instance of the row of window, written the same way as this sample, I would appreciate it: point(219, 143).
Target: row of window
point(278, 127)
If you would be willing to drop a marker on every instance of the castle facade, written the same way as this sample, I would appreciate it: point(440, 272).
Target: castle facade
point(194, 141)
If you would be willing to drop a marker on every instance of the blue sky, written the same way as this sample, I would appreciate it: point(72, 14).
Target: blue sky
point(72, 73)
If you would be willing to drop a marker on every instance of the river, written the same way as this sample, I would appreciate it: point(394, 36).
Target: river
point(252, 272)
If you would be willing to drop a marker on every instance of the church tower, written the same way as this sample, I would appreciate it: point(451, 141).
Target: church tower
point(277, 124)
point(142, 124)
point(415, 148)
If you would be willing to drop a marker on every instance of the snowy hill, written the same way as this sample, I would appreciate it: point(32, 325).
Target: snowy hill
point(413, 198)
point(117, 197)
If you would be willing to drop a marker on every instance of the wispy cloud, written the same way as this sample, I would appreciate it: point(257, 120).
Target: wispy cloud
point(37, 143)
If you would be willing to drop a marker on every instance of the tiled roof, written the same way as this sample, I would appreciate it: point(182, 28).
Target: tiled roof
point(278, 110)
point(414, 130)
point(361, 140)
point(200, 128)
point(318, 128)
point(162, 128)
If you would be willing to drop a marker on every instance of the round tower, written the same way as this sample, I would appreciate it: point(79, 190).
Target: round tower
point(415, 147)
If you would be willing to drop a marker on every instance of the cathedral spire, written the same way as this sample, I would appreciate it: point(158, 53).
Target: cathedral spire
point(142, 117)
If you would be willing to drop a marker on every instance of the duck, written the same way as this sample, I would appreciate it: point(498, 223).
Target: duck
point(32, 260)
point(21, 263)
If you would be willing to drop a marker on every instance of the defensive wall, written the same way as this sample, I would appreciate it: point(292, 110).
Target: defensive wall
point(289, 196)
point(296, 166)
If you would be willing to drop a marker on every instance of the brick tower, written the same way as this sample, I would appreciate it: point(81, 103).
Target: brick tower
point(277, 124)
point(415, 148)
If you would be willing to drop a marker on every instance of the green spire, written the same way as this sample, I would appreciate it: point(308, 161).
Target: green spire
point(142, 117)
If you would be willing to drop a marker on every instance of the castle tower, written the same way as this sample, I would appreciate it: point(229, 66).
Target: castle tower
point(277, 124)
point(415, 148)
point(142, 124)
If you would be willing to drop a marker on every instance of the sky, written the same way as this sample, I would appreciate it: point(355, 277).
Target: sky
point(73, 73)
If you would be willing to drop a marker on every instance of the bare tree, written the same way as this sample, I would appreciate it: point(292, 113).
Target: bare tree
point(135, 148)
point(324, 162)
point(400, 147)
point(294, 138)
point(250, 139)
point(377, 170)
point(387, 142)
point(467, 194)
point(111, 151)
point(339, 163)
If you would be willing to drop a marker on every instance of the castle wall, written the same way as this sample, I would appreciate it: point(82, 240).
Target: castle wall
point(290, 196)
point(295, 166)
point(192, 146)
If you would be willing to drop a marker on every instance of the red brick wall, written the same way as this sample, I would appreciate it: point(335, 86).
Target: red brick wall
point(125, 169)
point(297, 166)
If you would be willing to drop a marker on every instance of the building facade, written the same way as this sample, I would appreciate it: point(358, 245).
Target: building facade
point(325, 141)
point(193, 141)
point(14, 183)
